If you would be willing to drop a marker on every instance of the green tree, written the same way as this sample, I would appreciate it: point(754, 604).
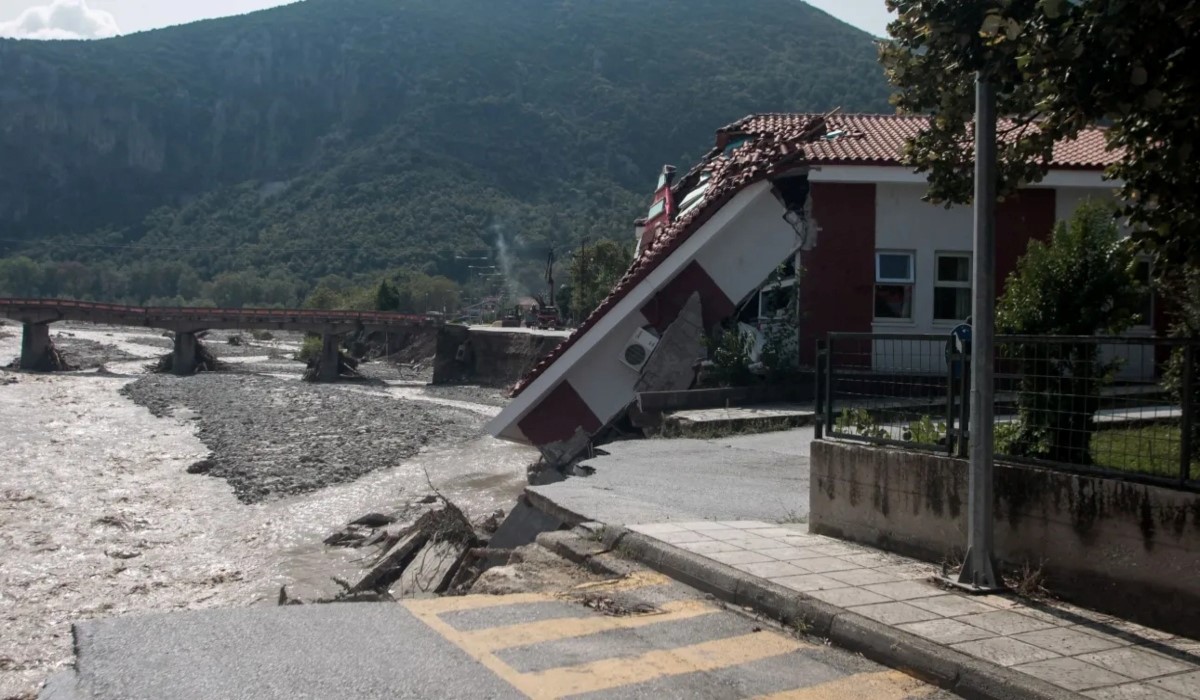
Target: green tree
point(20, 277)
point(1060, 66)
point(323, 297)
point(595, 270)
point(1081, 283)
point(386, 297)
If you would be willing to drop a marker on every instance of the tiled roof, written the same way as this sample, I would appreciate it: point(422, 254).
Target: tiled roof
point(878, 139)
point(778, 142)
point(768, 150)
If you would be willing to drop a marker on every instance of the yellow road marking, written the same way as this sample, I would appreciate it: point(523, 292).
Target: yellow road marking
point(437, 606)
point(638, 579)
point(613, 673)
point(524, 634)
point(887, 685)
point(428, 614)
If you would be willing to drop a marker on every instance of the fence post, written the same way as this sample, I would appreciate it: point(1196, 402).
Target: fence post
point(964, 407)
point(818, 380)
point(829, 388)
point(951, 358)
point(1187, 417)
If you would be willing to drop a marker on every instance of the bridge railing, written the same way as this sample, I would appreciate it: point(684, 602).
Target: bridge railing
point(198, 312)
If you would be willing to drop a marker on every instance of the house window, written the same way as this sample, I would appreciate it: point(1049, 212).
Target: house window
point(774, 300)
point(893, 285)
point(1145, 308)
point(952, 287)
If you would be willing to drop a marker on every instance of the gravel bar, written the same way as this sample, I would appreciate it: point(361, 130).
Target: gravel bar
point(272, 438)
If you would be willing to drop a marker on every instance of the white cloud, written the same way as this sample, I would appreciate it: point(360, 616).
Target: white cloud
point(61, 19)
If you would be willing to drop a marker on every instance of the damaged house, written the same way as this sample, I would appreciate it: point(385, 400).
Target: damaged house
point(709, 241)
point(771, 187)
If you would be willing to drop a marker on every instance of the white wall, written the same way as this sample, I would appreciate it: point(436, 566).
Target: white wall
point(905, 223)
point(738, 258)
point(739, 247)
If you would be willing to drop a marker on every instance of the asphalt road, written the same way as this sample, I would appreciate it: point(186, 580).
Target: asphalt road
point(641, 636)
point(640, 481)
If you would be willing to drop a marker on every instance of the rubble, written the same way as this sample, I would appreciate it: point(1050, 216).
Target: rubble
point(424, 548)
point(50, 361)
point(206, 361)
point(347, 367)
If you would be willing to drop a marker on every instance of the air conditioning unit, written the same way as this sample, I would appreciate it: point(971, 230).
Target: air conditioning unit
point(637, 350)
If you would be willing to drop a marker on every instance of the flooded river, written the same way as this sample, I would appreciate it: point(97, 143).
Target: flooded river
point(99, 517)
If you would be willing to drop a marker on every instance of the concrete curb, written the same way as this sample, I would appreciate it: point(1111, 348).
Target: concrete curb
point(586, 552)
point(964, 675)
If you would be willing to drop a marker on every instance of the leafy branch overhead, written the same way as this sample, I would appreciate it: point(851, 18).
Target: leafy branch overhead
point(1060, 66)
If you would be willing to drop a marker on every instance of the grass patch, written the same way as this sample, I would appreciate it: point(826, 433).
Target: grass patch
point(1149, 449)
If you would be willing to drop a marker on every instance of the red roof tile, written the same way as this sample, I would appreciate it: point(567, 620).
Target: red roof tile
point(768, 150)
point(878, 139)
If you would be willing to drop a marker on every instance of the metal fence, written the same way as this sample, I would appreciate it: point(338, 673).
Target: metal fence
point(1112, 406)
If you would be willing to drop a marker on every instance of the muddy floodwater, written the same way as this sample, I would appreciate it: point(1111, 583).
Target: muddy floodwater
point(99, 516)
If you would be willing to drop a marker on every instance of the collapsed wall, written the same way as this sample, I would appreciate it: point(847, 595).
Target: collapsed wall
point(488, 356)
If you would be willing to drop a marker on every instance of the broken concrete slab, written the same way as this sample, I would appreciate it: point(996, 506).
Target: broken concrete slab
point(522, 526)
point(390, 565)
point(739, 420)
point(430, 570)
point(672, 364)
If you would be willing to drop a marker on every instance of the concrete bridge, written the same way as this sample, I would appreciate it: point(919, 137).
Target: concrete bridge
point(186, 322)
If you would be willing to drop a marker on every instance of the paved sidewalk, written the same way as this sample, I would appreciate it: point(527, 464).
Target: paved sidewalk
point(1037, 649)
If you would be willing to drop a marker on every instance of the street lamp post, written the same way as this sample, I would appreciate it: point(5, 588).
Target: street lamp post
point(978, 572)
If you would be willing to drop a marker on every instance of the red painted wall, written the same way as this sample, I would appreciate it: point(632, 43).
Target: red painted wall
point(558, 416)
point(1019, 219)
point(838, 281)
point(664, 308)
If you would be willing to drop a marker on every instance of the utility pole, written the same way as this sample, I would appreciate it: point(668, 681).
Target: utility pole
point(579, 293)
point(979, 568)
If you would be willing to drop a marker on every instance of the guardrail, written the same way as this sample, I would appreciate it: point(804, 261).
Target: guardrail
point(1111, 406)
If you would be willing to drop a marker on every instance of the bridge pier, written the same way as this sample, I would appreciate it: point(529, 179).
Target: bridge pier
point(35, 346)
point(183, 356)
point(330, 358)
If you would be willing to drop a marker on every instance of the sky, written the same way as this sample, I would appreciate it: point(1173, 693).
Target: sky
point(101, 19)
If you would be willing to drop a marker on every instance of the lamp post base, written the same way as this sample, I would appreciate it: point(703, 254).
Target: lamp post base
point(976, 578)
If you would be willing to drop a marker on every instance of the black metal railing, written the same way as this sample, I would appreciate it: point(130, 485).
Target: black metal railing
point(1112, 406)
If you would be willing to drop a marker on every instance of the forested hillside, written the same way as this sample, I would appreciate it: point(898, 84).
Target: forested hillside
point(353, 138)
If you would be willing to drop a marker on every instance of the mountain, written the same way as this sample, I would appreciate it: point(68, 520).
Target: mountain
point(351, 137)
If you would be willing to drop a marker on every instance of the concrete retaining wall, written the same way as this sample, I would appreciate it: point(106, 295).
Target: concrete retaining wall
point(489, 357)
point(1128, 549)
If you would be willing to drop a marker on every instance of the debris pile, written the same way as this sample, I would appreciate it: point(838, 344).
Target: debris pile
point(205, 361)
point(51, 361)
point(347, 366)
point(427, 547)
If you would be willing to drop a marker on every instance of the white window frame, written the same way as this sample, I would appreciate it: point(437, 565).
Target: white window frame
point(937, 283)
point(910, 282)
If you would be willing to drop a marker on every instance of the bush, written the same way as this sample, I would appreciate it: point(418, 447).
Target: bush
point(310, 349)
point(730, 352)
point(1079, 284)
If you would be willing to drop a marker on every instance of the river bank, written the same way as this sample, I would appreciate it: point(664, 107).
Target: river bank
point(99, 515)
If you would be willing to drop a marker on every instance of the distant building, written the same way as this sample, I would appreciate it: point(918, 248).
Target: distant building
point(876, 257)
